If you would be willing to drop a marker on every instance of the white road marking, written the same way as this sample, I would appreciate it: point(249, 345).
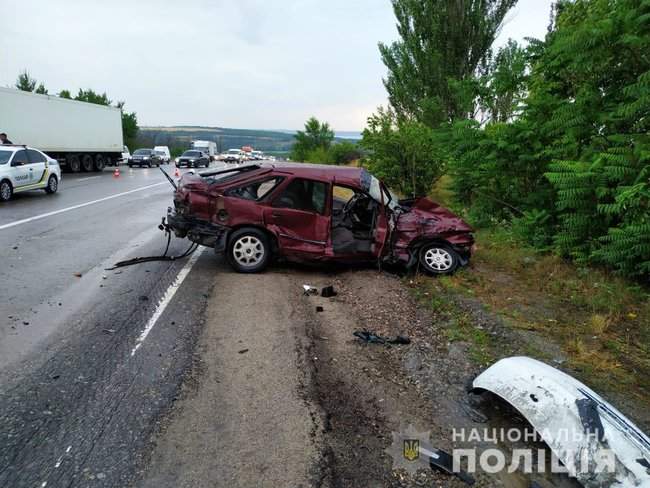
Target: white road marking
point(75, 207)
point(167, 297)
point(87, 178)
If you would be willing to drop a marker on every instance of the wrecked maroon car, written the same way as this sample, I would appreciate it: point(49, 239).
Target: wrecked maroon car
point(307, 213)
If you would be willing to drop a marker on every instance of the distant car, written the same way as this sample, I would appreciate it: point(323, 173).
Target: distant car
point(193, 159)
point(145, 157)
point(166, 155)
point(24, 168)
point(318, 213)
point(233, 156)
point(126, 155)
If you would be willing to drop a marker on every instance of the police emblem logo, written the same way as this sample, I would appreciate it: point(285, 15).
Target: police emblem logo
point(411, 449)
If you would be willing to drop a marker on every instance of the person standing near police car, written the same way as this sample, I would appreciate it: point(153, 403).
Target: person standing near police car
point(3, 139)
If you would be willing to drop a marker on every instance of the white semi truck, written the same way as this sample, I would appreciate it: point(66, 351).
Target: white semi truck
point(82, 136)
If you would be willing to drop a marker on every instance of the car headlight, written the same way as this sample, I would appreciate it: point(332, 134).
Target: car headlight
point(146, 157)
point(176, 160)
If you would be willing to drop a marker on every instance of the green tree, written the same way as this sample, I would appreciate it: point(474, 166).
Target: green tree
point(432, 68)
point(25, 82)
point(65, 94)
point(40, 89)
point(406, 154)
point(504, 83)
point(91, 97)
point(129, 126)
point(316, 135)
point(344, 152)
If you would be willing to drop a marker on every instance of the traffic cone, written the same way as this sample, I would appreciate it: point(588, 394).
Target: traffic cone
point(116, 173)
point(177, 173)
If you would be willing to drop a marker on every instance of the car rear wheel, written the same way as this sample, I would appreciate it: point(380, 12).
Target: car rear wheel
point(6, 191)
point(249, 250)
point(52, 185)
point(439, 259)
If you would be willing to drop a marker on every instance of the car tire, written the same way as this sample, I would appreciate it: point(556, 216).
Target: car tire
point(73, 162)
point(438, 259)
point(249, 250)
point(52, 185)
point(87, 163)
point(6, 191)
point(100, 163)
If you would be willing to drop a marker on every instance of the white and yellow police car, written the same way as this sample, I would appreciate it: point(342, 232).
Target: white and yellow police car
point(24, 168)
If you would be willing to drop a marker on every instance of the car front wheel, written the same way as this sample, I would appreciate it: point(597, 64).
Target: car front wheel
point(249, 250)
point(6, 191)
point(439, 259)
point(52, 185)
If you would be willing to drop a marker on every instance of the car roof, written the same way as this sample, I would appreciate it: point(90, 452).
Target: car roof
point(344, 175)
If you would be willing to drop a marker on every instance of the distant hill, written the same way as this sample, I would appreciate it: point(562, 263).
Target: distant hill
point(273, 142)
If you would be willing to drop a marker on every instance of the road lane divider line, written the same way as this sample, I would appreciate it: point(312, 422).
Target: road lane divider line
point(75, 207)
point(167, 298)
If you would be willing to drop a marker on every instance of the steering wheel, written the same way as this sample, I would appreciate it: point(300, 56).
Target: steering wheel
point(351, 203)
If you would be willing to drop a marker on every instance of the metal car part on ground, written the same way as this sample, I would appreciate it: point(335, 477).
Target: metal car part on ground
point(577, 424)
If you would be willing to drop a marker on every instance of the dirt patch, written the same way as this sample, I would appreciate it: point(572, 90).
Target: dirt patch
point(369, 391)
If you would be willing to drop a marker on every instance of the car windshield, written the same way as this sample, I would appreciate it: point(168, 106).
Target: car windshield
point(5, 156)
point(159, 153)
point(389, 197)
point(143, 152)
point(191, 154)
point(233, 151)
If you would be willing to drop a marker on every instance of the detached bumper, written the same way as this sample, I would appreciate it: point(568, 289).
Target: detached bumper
point(199, 231)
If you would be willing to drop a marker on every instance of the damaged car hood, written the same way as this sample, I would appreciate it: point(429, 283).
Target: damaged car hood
point(576, 423)
point(426, 212)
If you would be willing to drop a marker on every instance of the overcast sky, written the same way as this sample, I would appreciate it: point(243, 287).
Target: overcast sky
point(258, 64)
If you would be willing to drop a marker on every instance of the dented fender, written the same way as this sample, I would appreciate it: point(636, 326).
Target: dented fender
point(576, 423)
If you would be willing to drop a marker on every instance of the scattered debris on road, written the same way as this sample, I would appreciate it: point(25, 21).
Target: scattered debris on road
point(243, 351)
point(309, 290)
point(328, 292)
point(320, 309)
point(443, 461)
point(78, 275)
point(372, 338)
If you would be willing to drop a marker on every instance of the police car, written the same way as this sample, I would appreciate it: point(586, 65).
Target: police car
point(23, 168)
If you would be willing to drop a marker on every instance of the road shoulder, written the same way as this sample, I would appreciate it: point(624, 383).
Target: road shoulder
point(244, 418)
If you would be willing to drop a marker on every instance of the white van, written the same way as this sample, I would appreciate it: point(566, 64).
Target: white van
point(165, 150)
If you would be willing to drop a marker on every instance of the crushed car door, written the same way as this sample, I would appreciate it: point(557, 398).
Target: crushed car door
point(298, 217)
point(382, 229)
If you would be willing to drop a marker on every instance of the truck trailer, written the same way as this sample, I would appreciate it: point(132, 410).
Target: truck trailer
point(81, 136)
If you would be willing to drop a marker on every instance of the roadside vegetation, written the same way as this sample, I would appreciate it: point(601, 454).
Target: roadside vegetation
point(317, 144)
point(544, 148)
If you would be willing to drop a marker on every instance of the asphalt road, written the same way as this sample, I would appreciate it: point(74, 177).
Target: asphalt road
point(89, 358)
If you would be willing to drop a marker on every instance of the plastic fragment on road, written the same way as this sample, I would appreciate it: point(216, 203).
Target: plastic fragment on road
point(309, 290)
point(443, 461)
point(579, 426)
point(372, 338)
point(328, 292)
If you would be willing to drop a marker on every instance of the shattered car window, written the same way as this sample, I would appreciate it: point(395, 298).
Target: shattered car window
point(255, 190)
point(301, 194)
point(377, 193)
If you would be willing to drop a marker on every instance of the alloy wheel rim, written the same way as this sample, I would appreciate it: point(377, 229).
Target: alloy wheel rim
point(248, 251)
point(438, 259)
point(53, 184)
point(5, 191)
